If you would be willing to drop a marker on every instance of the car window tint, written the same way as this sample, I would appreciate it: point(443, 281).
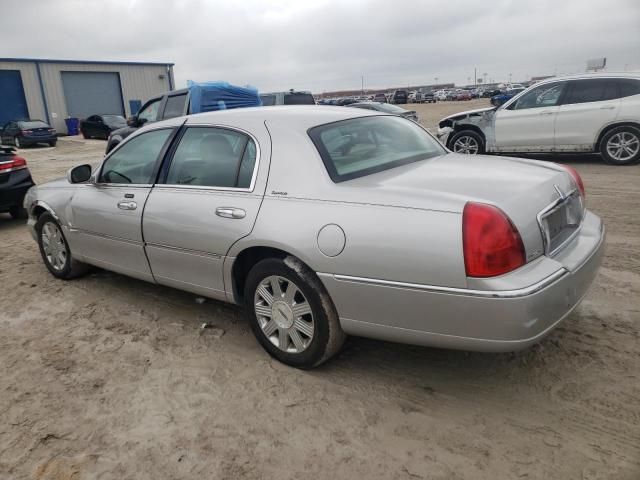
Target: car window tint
point(135, 160)
point(268, 100)
point(213, 157)
point(546, 95)
point(629, 86)
point(150, 112)
point(298, 99)
point(362, 146)
point(593, 90)
point(175, 106)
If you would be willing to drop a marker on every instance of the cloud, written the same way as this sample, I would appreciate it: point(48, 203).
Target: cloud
point(326, 45)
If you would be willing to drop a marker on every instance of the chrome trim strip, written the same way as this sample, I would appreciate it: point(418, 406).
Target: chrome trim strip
point(171, 186)
point(184, 250)
point(108, 237)
point(520, 292)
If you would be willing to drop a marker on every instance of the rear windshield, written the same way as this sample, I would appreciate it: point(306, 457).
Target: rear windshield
point(33, 124)
point(362, 146)
point(299, 99)
point(114, 120)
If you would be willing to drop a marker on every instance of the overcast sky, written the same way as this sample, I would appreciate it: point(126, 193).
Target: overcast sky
point(322, 45)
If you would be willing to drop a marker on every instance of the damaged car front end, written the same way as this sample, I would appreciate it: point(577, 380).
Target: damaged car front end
point(460, 132)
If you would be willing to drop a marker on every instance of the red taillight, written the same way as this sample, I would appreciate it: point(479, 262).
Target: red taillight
point(13, 164)
point(576, 178)
point(491, 243)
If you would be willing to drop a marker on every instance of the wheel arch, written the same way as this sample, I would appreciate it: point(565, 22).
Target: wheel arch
point(606, 129)
point(244, 261)
point(457, 128)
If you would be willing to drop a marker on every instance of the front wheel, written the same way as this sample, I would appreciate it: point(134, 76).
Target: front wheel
point(467, 141)
point(55, 250)
point(621, 146)
point(53, 143)
point(291, 313)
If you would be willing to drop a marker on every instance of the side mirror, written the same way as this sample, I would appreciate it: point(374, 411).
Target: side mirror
point(79, 174)
point(133, 121)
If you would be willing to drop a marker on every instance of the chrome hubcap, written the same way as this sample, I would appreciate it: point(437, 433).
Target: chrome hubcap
point(623, 146)
point(284, 314)
point(466, 145)
point(53, 245)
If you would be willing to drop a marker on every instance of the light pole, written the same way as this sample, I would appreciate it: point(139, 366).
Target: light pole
point(509, 78)
point(485, 77)
point(362, 78)
point(436, 79)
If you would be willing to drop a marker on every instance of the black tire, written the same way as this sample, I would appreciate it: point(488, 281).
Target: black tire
point(84, 134)
point(328, 336)
point(18, 213)
point(473, 136)
point(52, 143)
point(631, 134)
point(71, 267)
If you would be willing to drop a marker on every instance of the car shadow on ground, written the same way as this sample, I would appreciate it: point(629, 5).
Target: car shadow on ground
point(7, 222)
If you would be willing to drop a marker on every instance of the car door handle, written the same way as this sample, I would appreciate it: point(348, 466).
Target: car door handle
point(547, 112)
point(127, 205)
point(608, 107)
point(230, 212)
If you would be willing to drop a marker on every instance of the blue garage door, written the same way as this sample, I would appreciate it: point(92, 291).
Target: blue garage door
point(13, 105)
point(92, 93)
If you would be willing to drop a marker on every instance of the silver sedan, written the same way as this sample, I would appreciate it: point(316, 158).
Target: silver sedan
point(326, 222)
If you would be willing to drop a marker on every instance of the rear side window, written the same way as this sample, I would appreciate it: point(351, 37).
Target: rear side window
point(268, 100)
point(594, 90)
point(363, 146)
point(213, 157)
point(175, 106)
point(299, 99)
point(150, 111)
point(629, 86)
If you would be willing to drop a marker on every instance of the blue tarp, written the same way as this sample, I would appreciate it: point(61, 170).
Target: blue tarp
point(211, 96)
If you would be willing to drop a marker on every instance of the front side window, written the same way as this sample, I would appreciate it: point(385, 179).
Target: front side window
point(213, 157)
point(363, 146)
point(547, 95)
point(594, 90)
point(175, 106)
point(134, 162)
point(150, 112)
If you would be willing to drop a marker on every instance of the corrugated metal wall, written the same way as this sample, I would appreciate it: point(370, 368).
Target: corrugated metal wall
point(30, 85)
point(139, 82)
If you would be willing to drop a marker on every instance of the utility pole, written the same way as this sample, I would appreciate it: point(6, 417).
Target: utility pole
point(485, 77)
point(362, 78)
point(475, 77)
point(436, 79)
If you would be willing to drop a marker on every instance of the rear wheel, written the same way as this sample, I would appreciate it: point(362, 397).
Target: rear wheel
point(291, 313)
point(52, 143)
point(84, 134)
point(467, 141)
point(55, 250)
point(621, 146)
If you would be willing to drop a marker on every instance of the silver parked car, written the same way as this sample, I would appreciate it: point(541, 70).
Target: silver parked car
point(328, 221)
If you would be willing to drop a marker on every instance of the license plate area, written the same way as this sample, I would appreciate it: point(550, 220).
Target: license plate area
point(561, 221)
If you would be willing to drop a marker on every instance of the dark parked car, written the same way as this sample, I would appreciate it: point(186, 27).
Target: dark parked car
point(380, 97)
point(23, 133)
point(386, 108)
point(428, 97)
point(101, 126)
point(399, 96)
point(15, 180)
point(491, 93)
point(501, 98)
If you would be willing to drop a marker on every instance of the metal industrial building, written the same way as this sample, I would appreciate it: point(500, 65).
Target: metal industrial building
point(53, 90)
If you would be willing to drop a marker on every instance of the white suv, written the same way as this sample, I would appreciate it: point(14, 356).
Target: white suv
point(580, 113)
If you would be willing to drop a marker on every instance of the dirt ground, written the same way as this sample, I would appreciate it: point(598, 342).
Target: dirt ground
point(106, 377)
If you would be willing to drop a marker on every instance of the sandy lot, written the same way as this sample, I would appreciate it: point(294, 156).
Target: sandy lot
point(111, 378)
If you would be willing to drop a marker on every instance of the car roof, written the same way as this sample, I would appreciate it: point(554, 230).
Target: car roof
point(298, 117)
point(587, 75)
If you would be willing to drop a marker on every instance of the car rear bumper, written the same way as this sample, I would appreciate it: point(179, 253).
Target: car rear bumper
point(13, 188)
point(39, 139)
point(481, 320)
